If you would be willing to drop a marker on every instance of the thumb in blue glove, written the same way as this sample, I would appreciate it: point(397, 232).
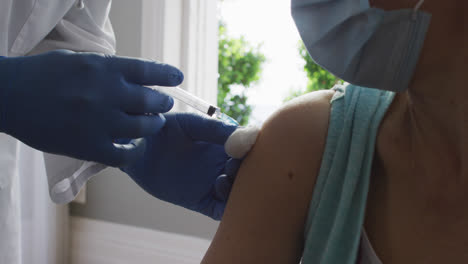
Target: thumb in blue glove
point(237, 146)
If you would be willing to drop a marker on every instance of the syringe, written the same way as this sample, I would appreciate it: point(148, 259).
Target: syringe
point(196, 103)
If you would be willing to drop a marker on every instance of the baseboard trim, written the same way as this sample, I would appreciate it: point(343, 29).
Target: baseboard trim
point(100, 242)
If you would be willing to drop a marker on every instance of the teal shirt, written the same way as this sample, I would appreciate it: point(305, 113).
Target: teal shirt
point(336, 212)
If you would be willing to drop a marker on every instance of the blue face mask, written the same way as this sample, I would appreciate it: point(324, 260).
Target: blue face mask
point(364, 46)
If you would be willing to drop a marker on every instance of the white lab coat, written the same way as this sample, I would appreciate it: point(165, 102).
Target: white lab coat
point(30, 27)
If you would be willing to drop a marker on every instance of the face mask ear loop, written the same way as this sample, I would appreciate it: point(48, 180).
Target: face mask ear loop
point(416, 9)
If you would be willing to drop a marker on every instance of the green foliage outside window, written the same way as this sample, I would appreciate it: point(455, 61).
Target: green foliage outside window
point(319, 78)
point(240, 65)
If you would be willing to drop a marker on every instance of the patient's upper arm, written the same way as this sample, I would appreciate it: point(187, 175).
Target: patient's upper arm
point(265, 216)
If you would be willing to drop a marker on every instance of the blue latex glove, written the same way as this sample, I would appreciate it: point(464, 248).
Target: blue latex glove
point(78, 104)
point(183, 161)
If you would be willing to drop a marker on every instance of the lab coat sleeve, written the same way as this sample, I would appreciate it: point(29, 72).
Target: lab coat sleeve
point(81, 29)
point(66, 176)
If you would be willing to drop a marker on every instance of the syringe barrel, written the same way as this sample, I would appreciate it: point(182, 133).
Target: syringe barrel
point(187, 98)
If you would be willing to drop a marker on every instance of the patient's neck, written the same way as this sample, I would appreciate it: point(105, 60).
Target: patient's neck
point(436, 103)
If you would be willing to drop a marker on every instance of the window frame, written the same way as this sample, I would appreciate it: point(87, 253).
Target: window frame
point(184, 33)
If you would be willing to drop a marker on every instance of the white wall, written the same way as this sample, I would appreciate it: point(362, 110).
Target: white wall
point(113, 196)
point(98, 242)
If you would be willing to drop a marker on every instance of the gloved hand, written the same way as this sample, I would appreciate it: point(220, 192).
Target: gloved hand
point(78, 104)
point(183, 162)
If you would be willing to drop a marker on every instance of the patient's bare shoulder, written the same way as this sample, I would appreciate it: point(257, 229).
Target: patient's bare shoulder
point(303, 120)
point(266, 213)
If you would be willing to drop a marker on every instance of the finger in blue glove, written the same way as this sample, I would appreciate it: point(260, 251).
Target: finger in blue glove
point(223, 186)
point(78, 104)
